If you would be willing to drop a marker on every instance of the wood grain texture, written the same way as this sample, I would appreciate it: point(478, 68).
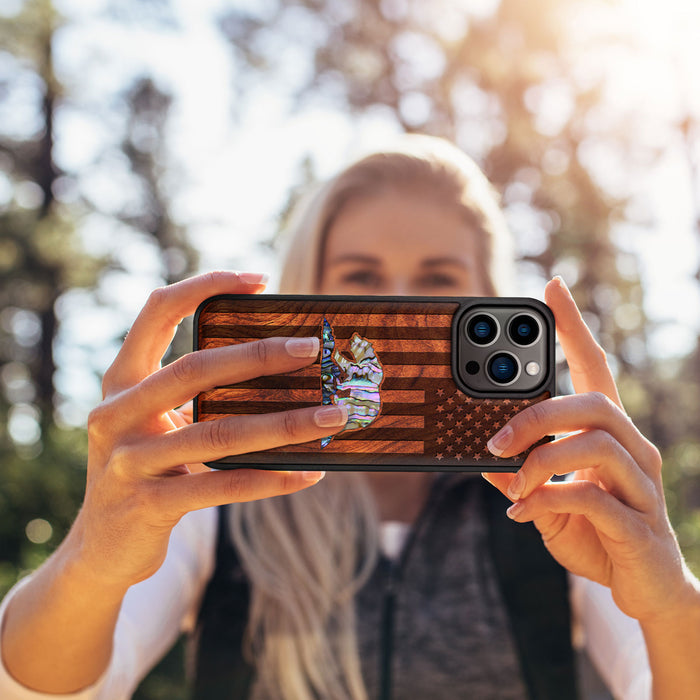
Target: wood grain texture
point(425, 421)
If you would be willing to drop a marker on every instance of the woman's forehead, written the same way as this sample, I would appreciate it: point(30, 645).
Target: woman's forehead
point(400, 225)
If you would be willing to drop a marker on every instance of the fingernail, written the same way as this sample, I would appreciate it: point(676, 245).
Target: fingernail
point(313, 477)
point(516, 486)
point(560, 281)
point(302, 347)
point(515, 510)
point(331, 416)
point(253, 277)
point(500, 442)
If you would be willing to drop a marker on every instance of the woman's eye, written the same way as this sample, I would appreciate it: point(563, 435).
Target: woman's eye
point(363, 278)
point(437, 280)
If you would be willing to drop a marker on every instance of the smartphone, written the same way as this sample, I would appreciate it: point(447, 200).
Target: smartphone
point(426, 380)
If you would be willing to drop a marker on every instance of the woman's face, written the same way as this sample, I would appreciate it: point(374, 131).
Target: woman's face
point(399, 243)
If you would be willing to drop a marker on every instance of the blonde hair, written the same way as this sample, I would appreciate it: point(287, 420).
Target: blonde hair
point(307, 554)
point(433, 167)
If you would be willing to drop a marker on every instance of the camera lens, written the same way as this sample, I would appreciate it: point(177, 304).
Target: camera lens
point(482, 329)
point(524, 330)
point(503, 368)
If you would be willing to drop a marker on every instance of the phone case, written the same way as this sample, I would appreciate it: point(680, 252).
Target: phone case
point(392, 360)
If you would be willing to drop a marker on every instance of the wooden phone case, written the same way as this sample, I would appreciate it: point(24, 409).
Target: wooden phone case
point(390, 359)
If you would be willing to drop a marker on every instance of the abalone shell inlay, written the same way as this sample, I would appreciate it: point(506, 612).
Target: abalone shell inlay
point(351, 381)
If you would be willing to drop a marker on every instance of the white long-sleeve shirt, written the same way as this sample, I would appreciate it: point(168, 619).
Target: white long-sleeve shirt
point(156, 611)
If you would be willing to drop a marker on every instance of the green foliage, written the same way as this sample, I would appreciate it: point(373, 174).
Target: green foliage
point(41, 482)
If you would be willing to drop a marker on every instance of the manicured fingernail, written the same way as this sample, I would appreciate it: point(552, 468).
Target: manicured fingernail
point(516, 486)
point(560, 281)
point(313, 477)
point(253, 277)
point(500, 442)
point(331, 416)
point(515, 510)
point(302, 347)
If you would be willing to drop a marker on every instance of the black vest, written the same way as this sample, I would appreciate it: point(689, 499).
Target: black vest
point(533, 588)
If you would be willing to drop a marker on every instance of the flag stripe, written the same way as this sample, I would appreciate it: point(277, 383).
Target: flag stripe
point(349, 446)
point(385, 422)
point(420, 378)
point(356, 320)
point(379, 346)
point(251, 407)
point(293, 397)
point(340, 332)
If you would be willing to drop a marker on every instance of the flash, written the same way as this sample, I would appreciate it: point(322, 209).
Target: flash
point(532, 368)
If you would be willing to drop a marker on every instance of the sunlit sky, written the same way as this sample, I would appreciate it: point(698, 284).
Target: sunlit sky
point(232, 176)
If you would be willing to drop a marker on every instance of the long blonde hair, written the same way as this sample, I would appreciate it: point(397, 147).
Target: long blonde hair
point(307, 554)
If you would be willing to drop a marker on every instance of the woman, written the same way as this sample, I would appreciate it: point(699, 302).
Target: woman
point(418, 221)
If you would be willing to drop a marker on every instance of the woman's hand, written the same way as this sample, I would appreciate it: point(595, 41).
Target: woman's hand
point(609, 523)
point(145, 458)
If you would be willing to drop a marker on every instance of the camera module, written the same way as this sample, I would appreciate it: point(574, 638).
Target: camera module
point(503, 368)
point(482, 329)
point(503, 347)
point(524, 330)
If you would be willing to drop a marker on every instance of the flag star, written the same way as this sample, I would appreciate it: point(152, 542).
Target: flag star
point(440, 424)
point(450, 400)
point(440, 392)
point(449, 433)
point(439, 456)
point(458, 456)
point(477, 457)
point(458, 424)
point(449, 448)
point(439, 409)
point(477, 408)
point(458, 440)
point(439, 441)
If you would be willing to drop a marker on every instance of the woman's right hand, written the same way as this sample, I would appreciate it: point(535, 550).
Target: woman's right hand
point(145, 466)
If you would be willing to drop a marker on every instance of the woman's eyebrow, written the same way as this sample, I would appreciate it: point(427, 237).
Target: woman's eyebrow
point(358, 258)
point(453, 262)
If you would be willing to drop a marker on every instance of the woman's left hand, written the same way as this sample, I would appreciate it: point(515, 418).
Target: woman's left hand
point(609, 523)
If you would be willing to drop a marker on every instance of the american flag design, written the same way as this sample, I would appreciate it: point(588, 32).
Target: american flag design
point(424, 420)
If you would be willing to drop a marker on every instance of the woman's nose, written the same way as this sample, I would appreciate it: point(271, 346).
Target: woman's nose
point(399, 287)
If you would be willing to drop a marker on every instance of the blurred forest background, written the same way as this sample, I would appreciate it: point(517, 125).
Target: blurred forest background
point(585, 115)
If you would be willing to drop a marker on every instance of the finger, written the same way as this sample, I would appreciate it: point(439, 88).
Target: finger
point(189, 492)
point(568, 414)
point(594, 449)
point(501, 480)
point(153, 330)
point(184, 415)
point(182, 379)
point(233, 435)
point(608, 515)
point(587, 361)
